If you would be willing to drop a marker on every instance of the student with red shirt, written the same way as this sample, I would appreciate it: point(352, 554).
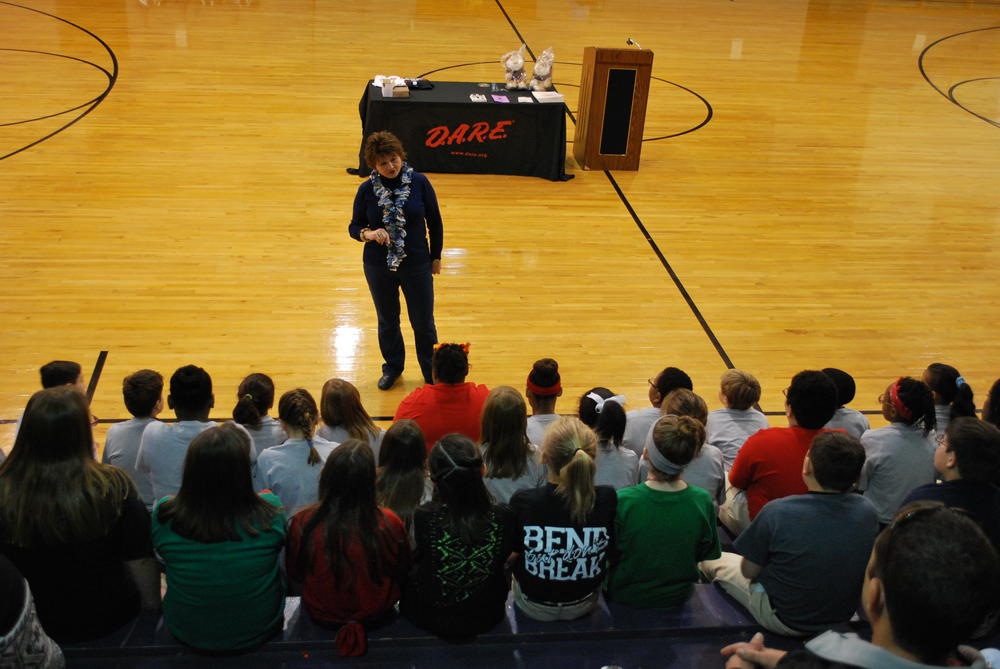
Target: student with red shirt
point(450, 404)
point(769, 466)
point(349, 554)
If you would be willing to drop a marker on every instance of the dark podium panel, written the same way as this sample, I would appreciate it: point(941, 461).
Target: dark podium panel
point(613, 92)
point(442, 130)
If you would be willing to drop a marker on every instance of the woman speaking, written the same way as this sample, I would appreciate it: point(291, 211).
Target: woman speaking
point(395, 212)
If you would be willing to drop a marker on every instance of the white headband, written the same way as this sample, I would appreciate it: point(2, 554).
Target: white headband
point(599, 401)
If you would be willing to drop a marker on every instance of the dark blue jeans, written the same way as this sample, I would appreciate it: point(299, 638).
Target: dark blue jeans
point(417, 285)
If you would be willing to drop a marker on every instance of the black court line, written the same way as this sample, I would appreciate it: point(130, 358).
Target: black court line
point(949, 95)
point(95, 376)
point(645, 233)
point(97, 101)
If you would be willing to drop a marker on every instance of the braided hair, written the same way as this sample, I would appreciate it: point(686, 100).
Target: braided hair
point(297, 409)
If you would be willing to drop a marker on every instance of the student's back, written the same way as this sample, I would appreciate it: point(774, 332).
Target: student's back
point(143, 395)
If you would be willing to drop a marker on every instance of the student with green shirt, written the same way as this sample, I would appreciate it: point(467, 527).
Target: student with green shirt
point(221, 543)
point(664, 526)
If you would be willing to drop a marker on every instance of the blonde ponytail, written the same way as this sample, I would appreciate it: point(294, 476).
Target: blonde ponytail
point(569, 448)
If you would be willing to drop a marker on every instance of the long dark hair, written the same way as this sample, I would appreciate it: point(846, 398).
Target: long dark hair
point(347, 513)
point(456, 469)
point(217, 499)
point(402, 469)
point(52, 491)
point(504, 438)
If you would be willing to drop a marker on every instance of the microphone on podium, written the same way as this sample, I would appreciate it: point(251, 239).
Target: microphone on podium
point(631, 42)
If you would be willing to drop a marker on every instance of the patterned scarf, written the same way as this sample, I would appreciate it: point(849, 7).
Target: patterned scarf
point(393, 217)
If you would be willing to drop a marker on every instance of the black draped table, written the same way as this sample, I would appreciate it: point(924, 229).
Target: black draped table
point(442, 130)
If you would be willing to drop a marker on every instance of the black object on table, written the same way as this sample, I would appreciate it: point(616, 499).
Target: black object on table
point(443, 130)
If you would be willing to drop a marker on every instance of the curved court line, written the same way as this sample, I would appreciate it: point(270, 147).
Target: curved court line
point(949, 95)
point(112, 78)
point(65, 111)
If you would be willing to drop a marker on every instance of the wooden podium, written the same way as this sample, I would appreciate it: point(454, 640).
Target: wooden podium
point(613, 92)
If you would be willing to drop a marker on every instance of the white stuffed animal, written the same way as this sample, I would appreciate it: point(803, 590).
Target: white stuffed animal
point(513, 62)
point(541, 78)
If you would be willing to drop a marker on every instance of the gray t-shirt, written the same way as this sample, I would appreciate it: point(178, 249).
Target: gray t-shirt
point(638, 423)
point(616, 467)
point(813, 549)
point(942, 416)
point(338, 435)
point(121, 449)
point(267, 434)
point(537, 425)
point(285, 470)
point(162, 451)
point(503, 489)
point(727, 429)
point(898, 459)
point(850, 421)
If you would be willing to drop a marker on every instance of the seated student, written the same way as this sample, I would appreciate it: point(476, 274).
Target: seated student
point(706, 469)
point(457, 588)
point(565, 529)
point(968, 461)
point(844, 418)
point(900, 456)
point(803, 556)
point(344, 417)
point(220, 544)
point(451, 404)
point(602, 411)
point(638, 422)
point(729, 427)
point(921, 607)
point(769, 466)
point(664, 527)
point(291, 469)
point(75, 529)
point(349, 554)
point(512, 462)
point(143, 394)
point(952, 395)
point(254, 399)
point(55, 374)
point(164, 445)
point(543, 388)
point(401, 482)
point(23, 642)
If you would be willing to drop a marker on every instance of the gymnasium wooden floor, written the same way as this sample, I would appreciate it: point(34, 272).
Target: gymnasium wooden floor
point(841, 207)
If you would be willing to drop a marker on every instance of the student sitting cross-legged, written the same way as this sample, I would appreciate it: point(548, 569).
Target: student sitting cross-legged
point(931, 581)
point(803, 556)
point(664, 526)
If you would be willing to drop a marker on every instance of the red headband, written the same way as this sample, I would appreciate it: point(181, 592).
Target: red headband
point(901, 409)
point(543, 391)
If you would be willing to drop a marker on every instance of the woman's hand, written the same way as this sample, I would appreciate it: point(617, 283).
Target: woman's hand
point(752, 655)
point(435, 267)
point(379, 236)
